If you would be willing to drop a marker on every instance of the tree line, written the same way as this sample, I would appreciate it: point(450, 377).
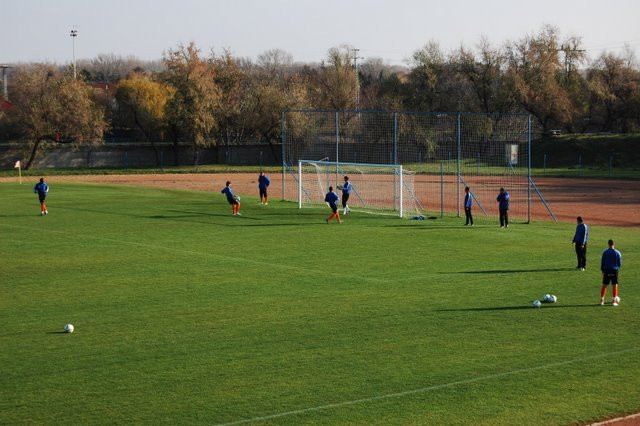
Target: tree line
point(218, 99)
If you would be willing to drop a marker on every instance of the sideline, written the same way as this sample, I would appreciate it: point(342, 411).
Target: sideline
point(421, 390)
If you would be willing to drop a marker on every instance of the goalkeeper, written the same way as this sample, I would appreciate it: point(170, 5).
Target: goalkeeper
point(232, 198)
point(332, 199)
point(346, 191)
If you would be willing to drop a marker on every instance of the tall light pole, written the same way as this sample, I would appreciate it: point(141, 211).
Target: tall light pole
point(74, 34)
point(355, 66)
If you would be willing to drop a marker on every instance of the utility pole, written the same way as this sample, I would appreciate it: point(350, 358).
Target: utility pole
point(5, 91)
point(569, 54)
point(74, 34)
point(355, 66)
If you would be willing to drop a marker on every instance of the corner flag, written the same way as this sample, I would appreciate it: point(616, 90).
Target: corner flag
point(17, 166)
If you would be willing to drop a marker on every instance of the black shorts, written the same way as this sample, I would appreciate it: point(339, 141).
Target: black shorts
point(345, 198)
point(42, 198)
point(334, 207)
point(610, 277)
point(263, 192)
point(232, 201)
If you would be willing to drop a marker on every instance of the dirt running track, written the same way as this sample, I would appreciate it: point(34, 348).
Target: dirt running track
point(604, 202)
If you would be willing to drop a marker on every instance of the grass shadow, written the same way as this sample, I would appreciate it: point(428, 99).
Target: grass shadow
point(511, 271)
point(514, 308)
point(57, 332)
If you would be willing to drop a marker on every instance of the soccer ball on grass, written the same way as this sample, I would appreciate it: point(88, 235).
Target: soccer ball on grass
point(68, 328)
point(536, 304)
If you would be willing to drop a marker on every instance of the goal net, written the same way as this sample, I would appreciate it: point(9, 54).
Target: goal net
point(376, 188)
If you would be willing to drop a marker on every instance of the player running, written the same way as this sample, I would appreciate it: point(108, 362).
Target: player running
point(346, 191)
point(332, 199)
point(42, 189)
point(610, 265)
point(232, 198)
point(263, 184)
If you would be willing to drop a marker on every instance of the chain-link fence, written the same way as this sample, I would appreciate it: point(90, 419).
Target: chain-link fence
point(448, 151)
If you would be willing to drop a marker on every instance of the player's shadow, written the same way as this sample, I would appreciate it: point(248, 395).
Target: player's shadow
point(511, 271)
point(514, 308)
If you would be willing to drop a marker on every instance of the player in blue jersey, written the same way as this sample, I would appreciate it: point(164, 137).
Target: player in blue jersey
point(346, 191)
point(580, 239)
point(610, 265)
point(468, 202)
point(232, 198)
point(263, 184)
point(332, 199)
point(42, 189)
point(503, 206)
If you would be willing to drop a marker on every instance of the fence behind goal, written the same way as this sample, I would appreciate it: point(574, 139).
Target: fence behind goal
point(447, 151)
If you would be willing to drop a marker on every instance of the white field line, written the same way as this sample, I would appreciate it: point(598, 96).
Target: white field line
point(618, 419)
point(421, 390)
point(339, 275)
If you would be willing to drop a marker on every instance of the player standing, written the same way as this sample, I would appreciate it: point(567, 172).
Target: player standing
point(332, 199)
point(468, 202)
point(610, 265)
point(580, 239)
point(263, 184)
point(42, 189)
point(346, 191)
point(503, 206)
point(232, 198)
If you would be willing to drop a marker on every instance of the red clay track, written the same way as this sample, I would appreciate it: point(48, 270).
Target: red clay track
point(604, 202)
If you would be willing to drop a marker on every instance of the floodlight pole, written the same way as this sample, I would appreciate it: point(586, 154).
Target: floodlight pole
point(74, 34)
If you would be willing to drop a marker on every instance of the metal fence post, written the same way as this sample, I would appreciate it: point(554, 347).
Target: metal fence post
point(395, 138)
point(337, 144)
point(458, 172)
point(282, 144)
point(544, 164)
point(610, 164)
point(529, 169)
point(441, 190)
point(579, 164)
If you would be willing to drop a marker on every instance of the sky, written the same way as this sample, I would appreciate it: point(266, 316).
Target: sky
point(38, 30)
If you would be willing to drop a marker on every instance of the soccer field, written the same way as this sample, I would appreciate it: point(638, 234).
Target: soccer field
point(184, 314)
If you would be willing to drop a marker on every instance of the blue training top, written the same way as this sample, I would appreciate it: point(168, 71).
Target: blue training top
point(228, 192)
point(582, 234)
point(503, 199)
point(263, 182)
point(41, 188)
point(346, 188)
point(468, 200)
point(331, 198)
point(611, 260)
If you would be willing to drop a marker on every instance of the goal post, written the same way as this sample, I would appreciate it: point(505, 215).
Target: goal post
point(376, 188)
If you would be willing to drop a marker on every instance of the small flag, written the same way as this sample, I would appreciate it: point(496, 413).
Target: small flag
point(17, 165)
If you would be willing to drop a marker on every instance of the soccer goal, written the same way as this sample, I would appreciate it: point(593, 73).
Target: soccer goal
point(376, 188)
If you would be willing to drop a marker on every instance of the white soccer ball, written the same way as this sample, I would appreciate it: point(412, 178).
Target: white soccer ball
point(536, 304)
point(553, 299)
point(547, 298)
point(68, 328)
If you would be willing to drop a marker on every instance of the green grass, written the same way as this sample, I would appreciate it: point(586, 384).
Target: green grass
point(185, 314)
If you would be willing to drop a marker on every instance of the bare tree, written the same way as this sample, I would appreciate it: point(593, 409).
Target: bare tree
point(53, 107)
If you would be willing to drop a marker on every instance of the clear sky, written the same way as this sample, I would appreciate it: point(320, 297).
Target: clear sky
point(38, 30)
